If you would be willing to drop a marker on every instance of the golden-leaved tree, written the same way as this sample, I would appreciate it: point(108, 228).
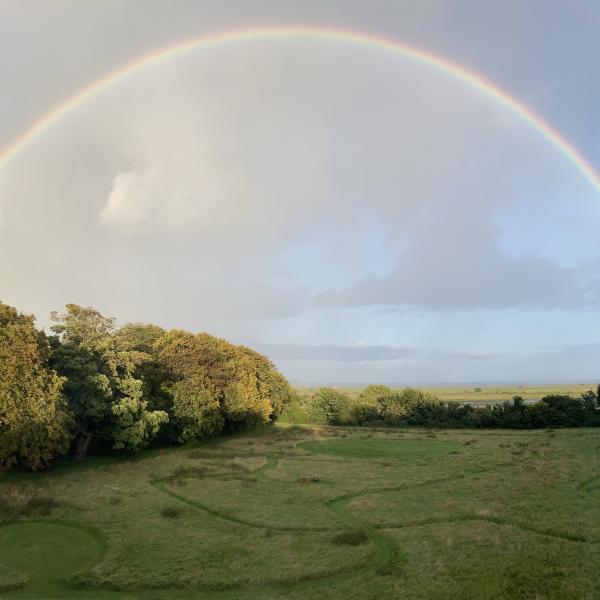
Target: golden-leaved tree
point(35, 422)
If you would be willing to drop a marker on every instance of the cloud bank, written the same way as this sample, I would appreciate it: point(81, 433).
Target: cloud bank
point(249, 189)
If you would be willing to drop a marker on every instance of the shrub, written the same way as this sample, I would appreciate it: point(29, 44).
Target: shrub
point(414, 407)
point(331, 406)
point(170, 512)
point(409, 406)
point(351, 538)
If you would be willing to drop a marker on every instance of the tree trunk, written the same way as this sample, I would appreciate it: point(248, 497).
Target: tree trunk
point(83, 441)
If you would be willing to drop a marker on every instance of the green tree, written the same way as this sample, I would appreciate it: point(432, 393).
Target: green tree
point(104, 396)
point(396, 407)
point(34, 419)
point(374, 391)
point(154, 374)
point(329, 405)
point(366, 406)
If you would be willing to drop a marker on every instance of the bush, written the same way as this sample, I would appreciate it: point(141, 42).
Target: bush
point(410, 406)
point(351, 538)
point(379, 404)
point(170, 512)
point(331, 406)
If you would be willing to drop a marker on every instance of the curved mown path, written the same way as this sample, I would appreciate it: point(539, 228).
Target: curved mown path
point(52, 550)
point(386, 552)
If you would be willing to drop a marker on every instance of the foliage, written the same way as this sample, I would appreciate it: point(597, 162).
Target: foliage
point(196, 410)
point(153, 373)
point(396, 408)
point(373, 392)
point(34, 419)
point(381, 405)
point(104, 395)
point(127, 386)
point(329, 405)
point(218, 386)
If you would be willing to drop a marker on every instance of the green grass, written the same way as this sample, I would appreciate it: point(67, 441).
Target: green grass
point(290, 512)
point(405, 450)
point(38, 555)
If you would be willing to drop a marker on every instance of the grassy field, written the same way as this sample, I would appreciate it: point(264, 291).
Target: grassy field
point(482, 393)
point(307, 512)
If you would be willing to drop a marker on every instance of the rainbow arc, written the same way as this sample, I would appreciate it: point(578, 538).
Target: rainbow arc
point(469, 78)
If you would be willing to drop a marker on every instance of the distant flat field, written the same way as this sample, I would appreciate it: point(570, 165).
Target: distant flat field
point(481, 393)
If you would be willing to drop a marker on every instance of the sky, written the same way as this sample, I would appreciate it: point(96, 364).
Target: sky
point(354, 214)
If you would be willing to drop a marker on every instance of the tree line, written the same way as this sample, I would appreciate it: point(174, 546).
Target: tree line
point(92, 383)
point(380, 405)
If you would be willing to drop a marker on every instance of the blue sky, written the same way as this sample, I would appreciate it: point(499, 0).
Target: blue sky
point(354, 215)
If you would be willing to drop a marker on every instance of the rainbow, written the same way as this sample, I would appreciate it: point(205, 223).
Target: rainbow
point(469, 78)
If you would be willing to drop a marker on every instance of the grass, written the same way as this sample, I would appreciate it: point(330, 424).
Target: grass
point(303, 512)
point(404, 450)
point(38, 555)
point(478, 393)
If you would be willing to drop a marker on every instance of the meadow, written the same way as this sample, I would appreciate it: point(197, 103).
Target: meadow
point(312, 511)
point(479, 393)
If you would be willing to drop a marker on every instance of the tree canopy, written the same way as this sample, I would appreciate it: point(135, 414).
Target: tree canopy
point(104, 396)
point(123, 388)
point(34, 419)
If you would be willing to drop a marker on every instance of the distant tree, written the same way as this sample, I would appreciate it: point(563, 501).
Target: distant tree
point(104, 396)
point(34, 418)
point(558, 410)
point(332, 406)
point(590, 405)
point(511, 414)
point(374, 391)
point(397, 407)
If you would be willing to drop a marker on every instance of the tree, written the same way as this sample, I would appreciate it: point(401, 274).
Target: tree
point(331, 406)
point(197, 373)
point(104, 396)
point(196, 411)
point(256, 393)
point(34, 419)
point(397, 407)
point(374, 391)
point(154, 374)
point(209, 373)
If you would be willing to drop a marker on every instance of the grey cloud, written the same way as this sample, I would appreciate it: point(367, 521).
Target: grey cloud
point(175, 196)
point(463, 270)
point(362, 353)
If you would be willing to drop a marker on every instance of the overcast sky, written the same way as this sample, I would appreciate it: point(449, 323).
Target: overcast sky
point(354, 215)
